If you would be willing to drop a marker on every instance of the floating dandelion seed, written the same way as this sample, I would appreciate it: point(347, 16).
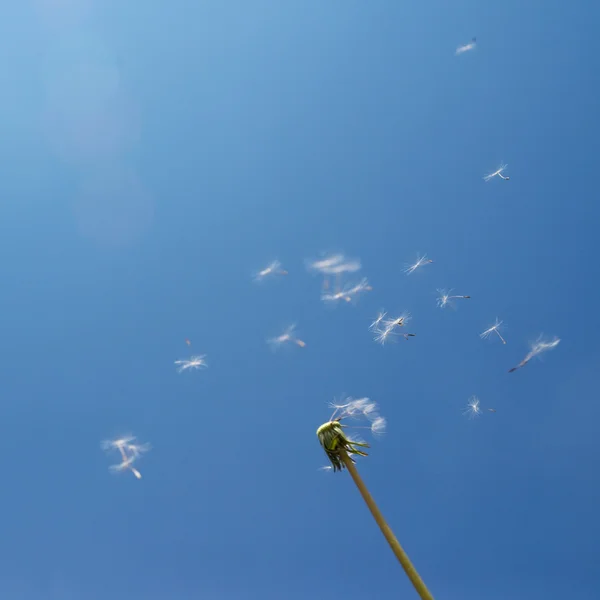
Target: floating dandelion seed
point(130, 452)
point(271, 270)
point(188, 341)
point(537, 348)
point(466, 47)
point(194, 362)
point(287, 337)
point(340, 449)
point(334, 264)
point(497, 173)
point(473, 408)
point(387, 328)
point(349, 293)
point(374, 326)
point(445, 299)
point(495, 328)
point(421, 261)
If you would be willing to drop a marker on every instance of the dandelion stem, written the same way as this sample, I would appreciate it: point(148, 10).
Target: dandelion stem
point(397, 549)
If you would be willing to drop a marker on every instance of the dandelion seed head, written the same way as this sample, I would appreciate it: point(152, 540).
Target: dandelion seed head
point(333, 436)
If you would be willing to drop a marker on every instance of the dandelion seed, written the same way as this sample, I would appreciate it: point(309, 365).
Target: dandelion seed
point(194, 362)
point(334, 264)
point(387, 328)
point(188, 341)
point(129, 451)
point(538, 347)
point(445, 299)
point(348, 293)
point(497, 173)
point(495, 328)
point(347, 266)
point(473, 408)
point(378, 425)
point(374, 326)
point(270, 270)
point(421, 261)
point(117, 443)
point(466, 47)
point(287, 337)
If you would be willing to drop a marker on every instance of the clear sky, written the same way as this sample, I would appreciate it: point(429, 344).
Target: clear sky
point(154, 155)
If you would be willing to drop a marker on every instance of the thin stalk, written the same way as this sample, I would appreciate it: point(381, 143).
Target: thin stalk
point(397, 549)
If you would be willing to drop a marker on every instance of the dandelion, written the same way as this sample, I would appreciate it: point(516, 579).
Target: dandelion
point(497, 173)
point(273, 269)
point(130, 452)
point(387, 328)
point(473, 408)
point(445, 299)
point(351, 409)
point(537, 348)
point(348, 293)
point(466, 47)
point(288, 336)
point(340, 449)
point(495, 328)
point(421, 261)
point(194, 362)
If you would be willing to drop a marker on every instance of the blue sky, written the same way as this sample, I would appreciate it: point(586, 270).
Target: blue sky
point(155, 156)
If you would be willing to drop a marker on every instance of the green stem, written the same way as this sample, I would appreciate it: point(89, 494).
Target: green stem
point(397, 549)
